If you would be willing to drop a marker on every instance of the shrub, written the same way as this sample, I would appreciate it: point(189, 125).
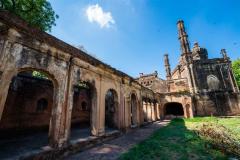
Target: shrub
point(220, 137)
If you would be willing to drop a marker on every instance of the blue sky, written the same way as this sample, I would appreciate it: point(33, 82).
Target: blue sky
point(133, 35)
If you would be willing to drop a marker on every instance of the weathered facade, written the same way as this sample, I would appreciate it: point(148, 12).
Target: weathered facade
point(203, 86)
point(82, 90)
point(59, 101)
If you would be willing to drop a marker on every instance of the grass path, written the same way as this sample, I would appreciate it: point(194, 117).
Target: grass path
point(178, 141)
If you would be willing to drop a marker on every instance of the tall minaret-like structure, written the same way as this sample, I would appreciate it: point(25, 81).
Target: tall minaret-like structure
point(184, 43)
point(167, 67)
point(186, 55)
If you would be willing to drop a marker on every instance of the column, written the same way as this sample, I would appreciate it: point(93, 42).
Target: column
point(153, 112)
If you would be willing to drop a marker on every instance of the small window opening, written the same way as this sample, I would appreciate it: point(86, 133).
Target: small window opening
point(42, 105)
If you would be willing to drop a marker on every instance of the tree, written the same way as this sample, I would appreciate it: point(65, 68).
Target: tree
point(38, 13)
point(236, 70)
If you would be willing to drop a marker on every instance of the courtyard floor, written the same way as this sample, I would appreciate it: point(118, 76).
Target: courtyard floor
point(13, 146)
point(113, 149)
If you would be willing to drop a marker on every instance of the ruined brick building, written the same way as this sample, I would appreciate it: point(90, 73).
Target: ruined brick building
point(80, 96)
point(209, 82)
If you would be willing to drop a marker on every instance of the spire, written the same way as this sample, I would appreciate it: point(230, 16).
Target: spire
point(183, 37)
point(224, 54)
point(167, 67)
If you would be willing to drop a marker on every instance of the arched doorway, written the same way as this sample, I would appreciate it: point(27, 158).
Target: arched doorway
point(111, 110)
point(83, 100)
point(133, 110)
point(173, 110)
point(25, 121)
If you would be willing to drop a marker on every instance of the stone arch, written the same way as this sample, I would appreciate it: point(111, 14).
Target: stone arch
point(133, 109)
point(79, 75)
point(23, 58)
point(111, 109)
point(84, 93)
point(173, 110)
point(20, 112)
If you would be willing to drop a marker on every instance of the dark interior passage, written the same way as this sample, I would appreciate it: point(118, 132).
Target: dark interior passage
point(26, 117)
point(174, 108)
point(111, 107)
point(133, 110)
point(81, 112)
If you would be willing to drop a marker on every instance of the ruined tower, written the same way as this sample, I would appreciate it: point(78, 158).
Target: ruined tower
point(167, 67)
point(184, 43)
point(186, 55)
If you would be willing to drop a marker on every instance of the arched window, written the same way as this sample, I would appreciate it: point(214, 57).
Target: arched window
point(42, 105)
point(213, 82)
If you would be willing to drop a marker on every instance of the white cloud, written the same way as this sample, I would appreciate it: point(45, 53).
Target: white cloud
point(96, 14)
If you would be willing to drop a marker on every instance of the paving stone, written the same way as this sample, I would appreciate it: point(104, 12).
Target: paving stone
point(111, 150)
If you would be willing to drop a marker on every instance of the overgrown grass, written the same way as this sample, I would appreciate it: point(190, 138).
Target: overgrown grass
point(178, 141)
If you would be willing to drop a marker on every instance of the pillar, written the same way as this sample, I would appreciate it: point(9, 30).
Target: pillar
point(153, 112)
point(149, 112)
point(5, 82)
point(158, 111)
point(144, 111)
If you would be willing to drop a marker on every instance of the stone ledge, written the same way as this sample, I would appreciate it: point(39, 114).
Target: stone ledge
point(48, 153)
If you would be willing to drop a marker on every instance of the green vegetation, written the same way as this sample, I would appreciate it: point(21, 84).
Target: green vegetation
point(38, 74)
point(38, 13)
point(236, 70)
point(82, 84)
point(182, 140)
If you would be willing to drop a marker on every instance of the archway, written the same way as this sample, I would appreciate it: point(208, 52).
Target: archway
point(25, 121)
point(83, 100)
point(111, 110)
point(133, 110)
point(173, 110)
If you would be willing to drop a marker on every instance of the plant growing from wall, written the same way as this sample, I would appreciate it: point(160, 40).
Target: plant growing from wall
point(82, 84)
point(236, 70)
point(38, 13)
point(40, 75)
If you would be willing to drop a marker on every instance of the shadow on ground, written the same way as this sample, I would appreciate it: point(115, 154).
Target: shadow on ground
point(176, 142)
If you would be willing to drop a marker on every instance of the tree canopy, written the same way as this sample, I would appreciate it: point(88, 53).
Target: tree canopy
point(38, 13)
point(236, 70)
